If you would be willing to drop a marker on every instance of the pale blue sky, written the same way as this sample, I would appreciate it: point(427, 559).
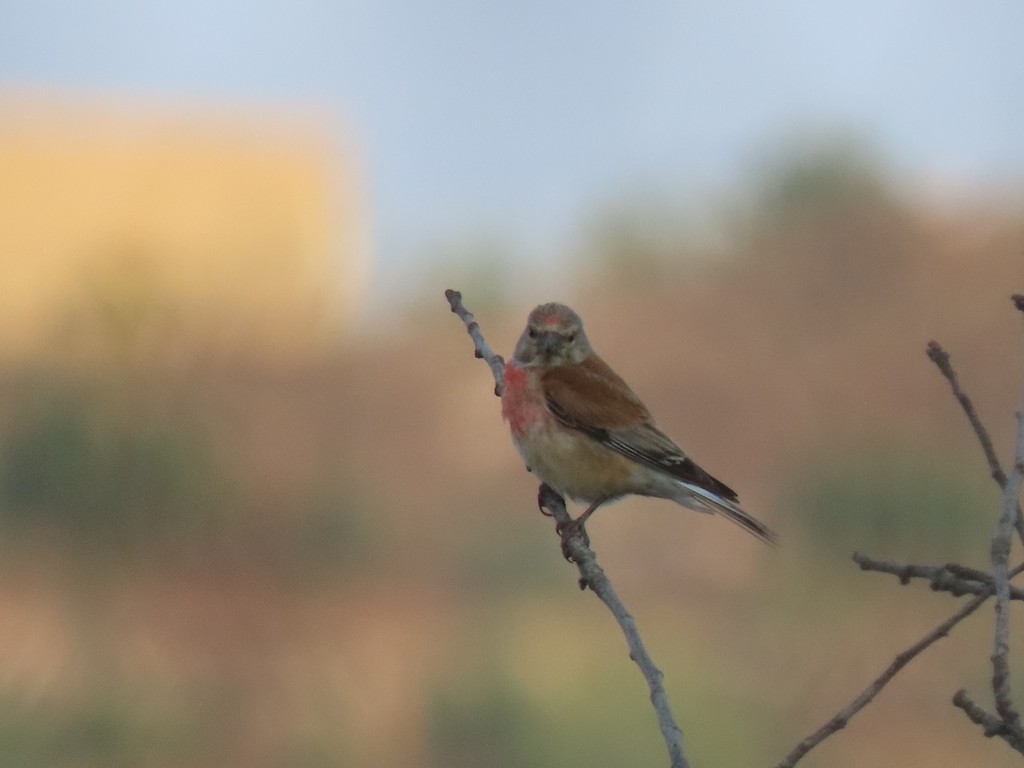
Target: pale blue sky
point(515, 118)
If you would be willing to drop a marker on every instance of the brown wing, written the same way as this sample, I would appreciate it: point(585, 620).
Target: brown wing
point(592, 398)
point(590, 394)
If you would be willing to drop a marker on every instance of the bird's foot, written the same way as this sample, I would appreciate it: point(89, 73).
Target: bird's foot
point(551, 504)
point(570, 530)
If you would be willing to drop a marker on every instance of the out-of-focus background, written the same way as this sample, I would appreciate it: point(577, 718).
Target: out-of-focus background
point(257, 505)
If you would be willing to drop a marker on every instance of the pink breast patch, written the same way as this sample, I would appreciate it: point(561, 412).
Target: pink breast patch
point(521, 406)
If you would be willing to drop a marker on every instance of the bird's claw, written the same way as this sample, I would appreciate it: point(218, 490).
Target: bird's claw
point(546, 496)
point(568, 531)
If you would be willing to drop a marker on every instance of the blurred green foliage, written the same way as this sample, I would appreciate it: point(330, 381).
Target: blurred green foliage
point(639, 238)
point(827, 205)
point(109, 484)
point(97, 481)
point(486, 716)
point(487, 720)
point(891, 501)
point(819, 180)
point(107, 728)
point(328, 532)
point(502, 555)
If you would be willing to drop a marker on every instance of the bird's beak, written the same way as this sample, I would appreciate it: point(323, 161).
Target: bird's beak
point(549, 342)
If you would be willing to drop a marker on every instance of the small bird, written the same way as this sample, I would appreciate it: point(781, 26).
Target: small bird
point(582, 430)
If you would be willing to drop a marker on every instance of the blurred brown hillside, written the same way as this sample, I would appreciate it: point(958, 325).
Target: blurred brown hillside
point(136, 229)
point(335, 558)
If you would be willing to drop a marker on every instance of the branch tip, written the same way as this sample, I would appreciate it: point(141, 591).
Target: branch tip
point(481, 349)
point(937, 354)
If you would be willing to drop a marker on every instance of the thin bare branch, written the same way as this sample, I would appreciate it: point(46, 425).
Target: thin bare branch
point(940, 357)
point(842, 717)
point(1000, 552)
point(954, 578)
point(576, 548)
point(481, 348)
point(991, 724)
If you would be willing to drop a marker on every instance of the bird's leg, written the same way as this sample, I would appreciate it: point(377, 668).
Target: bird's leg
point(546, 496)
point(576, 527)
point(589, 511)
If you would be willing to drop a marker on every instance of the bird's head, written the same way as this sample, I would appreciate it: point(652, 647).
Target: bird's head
point(553, 336)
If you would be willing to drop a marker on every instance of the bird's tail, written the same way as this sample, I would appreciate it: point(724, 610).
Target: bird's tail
point(705, 501)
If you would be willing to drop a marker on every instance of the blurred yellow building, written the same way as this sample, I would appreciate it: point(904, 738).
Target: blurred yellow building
point(127, 231)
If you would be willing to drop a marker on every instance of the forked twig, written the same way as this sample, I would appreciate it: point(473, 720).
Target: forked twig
point(1011, 517)
point(991, 725)
point(954, 578)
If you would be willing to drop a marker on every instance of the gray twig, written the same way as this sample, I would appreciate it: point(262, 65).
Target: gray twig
point(954, 578)
point(940, 357)
point(481, 348)
point(576, 548)
point(990, 724)
point(1000, 552)
point(842, 717)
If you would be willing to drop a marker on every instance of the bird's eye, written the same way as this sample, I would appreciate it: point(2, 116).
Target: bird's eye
point(571, 338)
point(532, 333)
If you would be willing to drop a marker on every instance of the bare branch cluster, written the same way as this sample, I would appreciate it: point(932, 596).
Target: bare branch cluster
point(959, 580)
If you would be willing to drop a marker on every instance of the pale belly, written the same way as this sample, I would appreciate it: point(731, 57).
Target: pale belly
point(576, 466)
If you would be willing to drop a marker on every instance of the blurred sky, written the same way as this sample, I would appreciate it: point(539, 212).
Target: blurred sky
point(514, 119)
